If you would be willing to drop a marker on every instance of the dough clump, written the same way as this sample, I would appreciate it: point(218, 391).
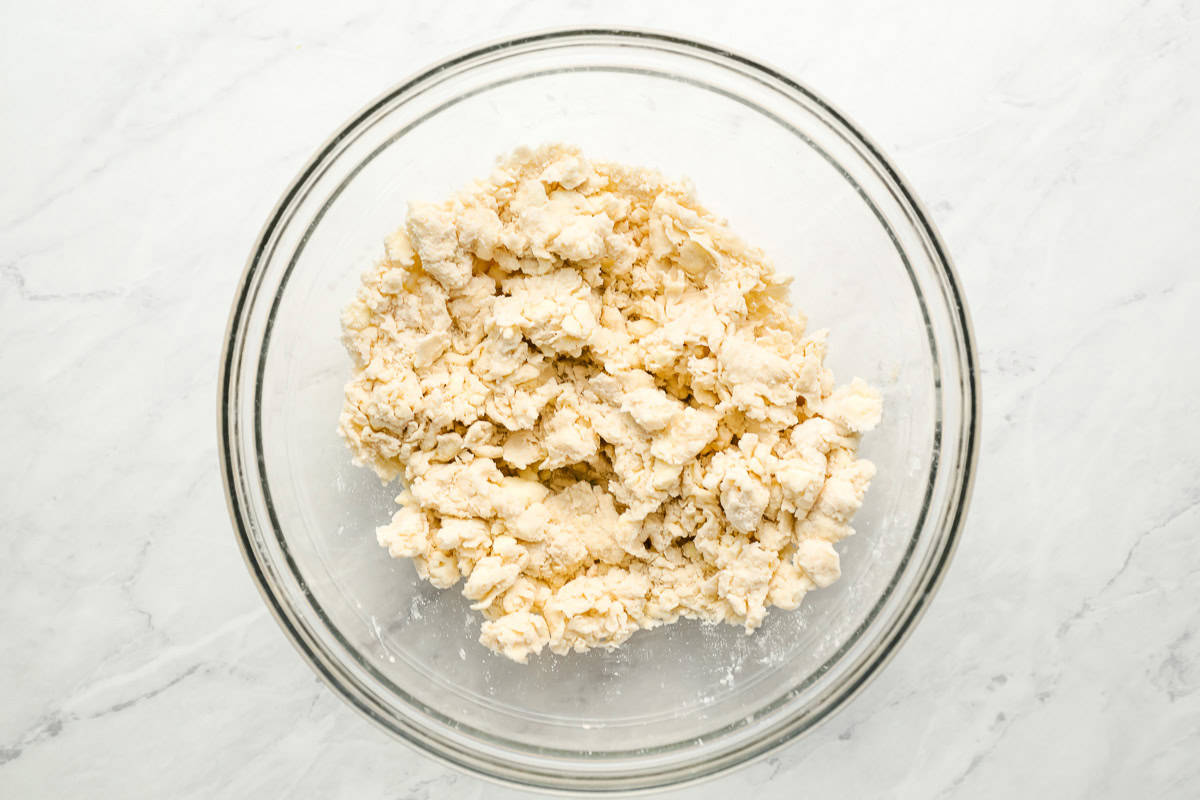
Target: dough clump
point(606, 414)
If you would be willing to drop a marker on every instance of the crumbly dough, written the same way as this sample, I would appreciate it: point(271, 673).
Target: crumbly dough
point(606, 414)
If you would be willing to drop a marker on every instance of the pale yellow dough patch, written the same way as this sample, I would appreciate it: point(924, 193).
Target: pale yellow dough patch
point(606, 414)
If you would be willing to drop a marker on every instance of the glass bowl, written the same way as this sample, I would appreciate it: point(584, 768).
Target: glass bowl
point(793, 176)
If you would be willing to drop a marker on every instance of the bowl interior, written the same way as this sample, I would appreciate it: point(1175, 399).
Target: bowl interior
point(788, 181)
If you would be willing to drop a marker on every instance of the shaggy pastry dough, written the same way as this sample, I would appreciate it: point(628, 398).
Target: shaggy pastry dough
point(605, 412)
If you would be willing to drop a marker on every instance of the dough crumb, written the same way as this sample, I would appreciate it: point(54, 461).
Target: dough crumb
point(605, 412)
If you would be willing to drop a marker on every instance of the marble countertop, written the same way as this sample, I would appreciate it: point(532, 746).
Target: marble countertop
point(1055, 144)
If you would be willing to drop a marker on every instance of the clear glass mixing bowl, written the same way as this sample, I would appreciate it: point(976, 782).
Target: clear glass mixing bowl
point(794, 177)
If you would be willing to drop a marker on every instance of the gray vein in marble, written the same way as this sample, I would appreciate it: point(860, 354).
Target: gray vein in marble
point(14, 276)
point(1089, 603)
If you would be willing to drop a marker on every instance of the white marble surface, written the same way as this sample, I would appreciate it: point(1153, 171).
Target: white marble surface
point(1055, 143)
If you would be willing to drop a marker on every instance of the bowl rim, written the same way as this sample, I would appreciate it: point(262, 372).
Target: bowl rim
point(676, 774)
